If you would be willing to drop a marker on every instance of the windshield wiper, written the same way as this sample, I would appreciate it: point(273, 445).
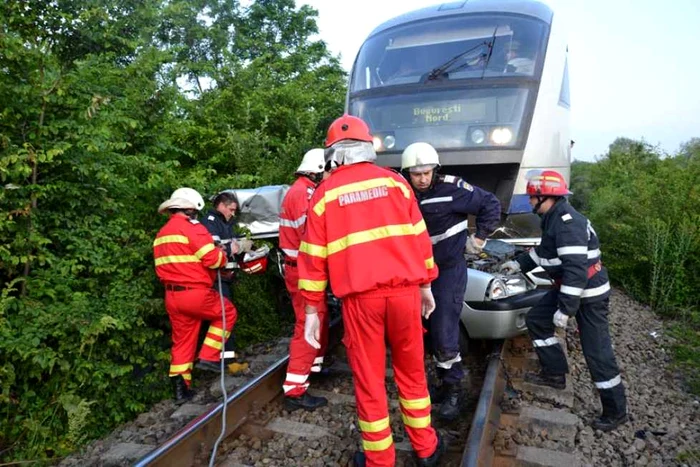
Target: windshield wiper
point(488, 57)
point(438, 72)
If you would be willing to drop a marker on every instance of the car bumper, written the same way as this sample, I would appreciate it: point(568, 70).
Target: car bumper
point(499, 319)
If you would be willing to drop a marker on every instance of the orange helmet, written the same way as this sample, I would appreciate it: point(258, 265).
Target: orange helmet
point(547, 183)
point(348, 127)
point(255, 266)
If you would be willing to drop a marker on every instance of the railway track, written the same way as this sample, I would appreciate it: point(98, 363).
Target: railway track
point(260, 432)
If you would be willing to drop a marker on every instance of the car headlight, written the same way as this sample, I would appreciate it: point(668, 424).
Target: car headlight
point(507, 286)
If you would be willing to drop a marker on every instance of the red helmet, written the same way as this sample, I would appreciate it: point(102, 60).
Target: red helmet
point(348, 127)
point(547, 183)
point(255, 266)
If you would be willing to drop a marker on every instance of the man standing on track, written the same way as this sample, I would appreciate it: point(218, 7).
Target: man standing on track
point(303, 358)
point(366, 235)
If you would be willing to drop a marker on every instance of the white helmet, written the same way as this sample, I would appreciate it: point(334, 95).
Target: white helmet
point(313, 162)
point(418, 157)
point(183, 198)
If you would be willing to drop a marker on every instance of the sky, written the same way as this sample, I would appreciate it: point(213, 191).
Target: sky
point(634, 65)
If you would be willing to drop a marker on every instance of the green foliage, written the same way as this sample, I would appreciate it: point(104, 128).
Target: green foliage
point(94, 133)
point(644, 206)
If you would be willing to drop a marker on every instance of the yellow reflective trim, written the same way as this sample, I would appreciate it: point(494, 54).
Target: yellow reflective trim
point(335, 193)
point(313, 250)
point(378, 445)
point(213, 343)
point(180, 368)
point(217, 331)
point(375, 426)
point(312, 286)
point(171, 239)
point(415, 404)
point(204, 250)
point(416, 422)
point(420, 227)
point(370, 235)
point(177, 259)
point(430, 263)
point(187, 376)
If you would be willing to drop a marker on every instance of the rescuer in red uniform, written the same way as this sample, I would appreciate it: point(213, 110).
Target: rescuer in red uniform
point(365, 234)
point(186, 263)
point(303, 358)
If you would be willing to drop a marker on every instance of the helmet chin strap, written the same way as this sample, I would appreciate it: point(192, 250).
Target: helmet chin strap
point(540, 201)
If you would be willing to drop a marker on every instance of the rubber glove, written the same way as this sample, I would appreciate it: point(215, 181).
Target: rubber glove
point(312, 327)
point(560, 319)
point(475, 245)
point(241, 246)
point(427, 302)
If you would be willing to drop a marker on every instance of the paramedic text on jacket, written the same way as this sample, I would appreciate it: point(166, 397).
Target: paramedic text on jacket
point(365, 235)
point(446, 202)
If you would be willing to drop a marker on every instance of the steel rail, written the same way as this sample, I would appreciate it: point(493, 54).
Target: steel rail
point(479, 449)
point(198, 437)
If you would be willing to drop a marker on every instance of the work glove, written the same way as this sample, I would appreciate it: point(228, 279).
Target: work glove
point(475, 245)
point(560, 319)
point(241, 246)
point(510, 267)
point(427, 302)
point(312, 327)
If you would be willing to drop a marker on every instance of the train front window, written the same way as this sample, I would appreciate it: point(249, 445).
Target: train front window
point(447, 119)
point(407, 54)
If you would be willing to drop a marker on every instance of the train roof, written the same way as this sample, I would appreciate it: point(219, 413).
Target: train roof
point(523, 7)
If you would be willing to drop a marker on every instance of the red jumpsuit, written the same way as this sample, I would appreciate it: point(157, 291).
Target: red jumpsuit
point(366, 235)
point(186, 262)
point(303, 359)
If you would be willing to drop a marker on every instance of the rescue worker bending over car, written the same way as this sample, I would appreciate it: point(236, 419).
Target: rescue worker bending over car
point(303, 358)
point(365, 233)
point(570, 254)
point(219, 221)
point(445, 202)
point(186, 261)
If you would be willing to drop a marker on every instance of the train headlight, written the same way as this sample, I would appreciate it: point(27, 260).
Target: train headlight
point(389, 141)
point(501, 136)
point(377, 143)
point(478, 136)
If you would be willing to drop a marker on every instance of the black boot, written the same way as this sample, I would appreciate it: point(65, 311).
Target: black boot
point(180, 389)
point(449, 409)
point(543, 379)
point(305, 401)
point(434, 459)
point(606, 423)
point(208, 365)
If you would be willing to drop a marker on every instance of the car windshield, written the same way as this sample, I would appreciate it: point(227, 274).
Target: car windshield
point(447, 119)
point(407, 54)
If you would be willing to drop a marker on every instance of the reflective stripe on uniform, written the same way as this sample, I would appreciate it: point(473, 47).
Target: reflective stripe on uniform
point(593, 253)
point(293, 223)
point(217, 331)
point(181, 368)
point(375, 426)
point(213, 343)
point(572, 250)
point(441, 199)
point(370, 235)
point(291, 253)
point(204, 250)
point(177, 259)
point(430, 263)
point(313, 250)
point(228, 354)
point(568, 290)
point(550, 262)
point(596, 291)
point(332, 195)
point(171, 239)
point(545, 342)
point(454, 230)
point(448, 364)
point(611, 383)
point(286, 388)
point(380, 445)
point(295, 378)
point(415, 404)
point(312, 286)
point(416, 422)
